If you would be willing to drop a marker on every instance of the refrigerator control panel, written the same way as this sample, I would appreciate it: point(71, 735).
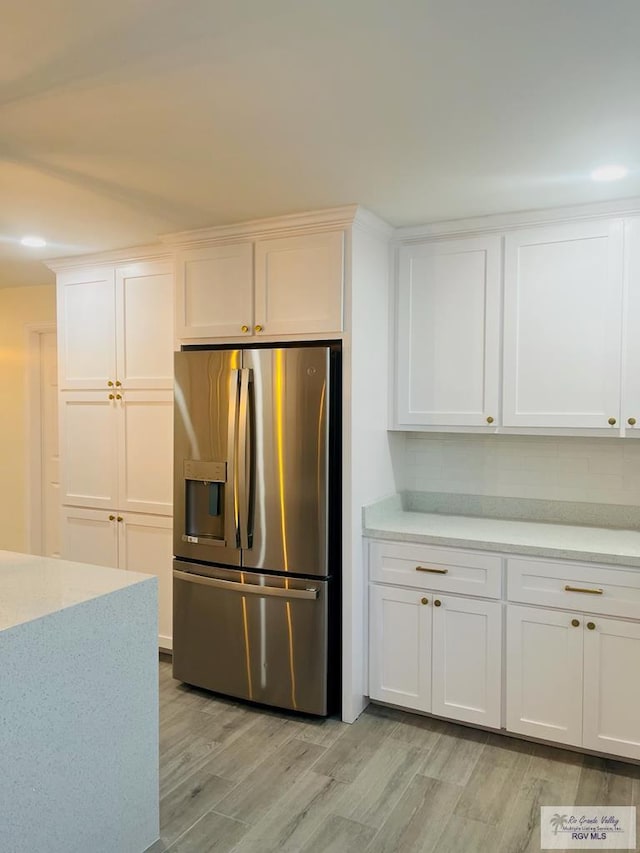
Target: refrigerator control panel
point(205, 472)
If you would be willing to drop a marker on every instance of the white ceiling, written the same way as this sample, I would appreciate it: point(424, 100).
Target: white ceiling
point(129, 118)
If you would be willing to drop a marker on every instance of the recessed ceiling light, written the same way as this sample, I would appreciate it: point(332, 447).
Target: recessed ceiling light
point(33, 242)
point(609, 173)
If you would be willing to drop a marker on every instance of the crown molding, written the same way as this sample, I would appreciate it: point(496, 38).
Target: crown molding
point(277, 226)
point(150, 252)
point(366, 220)
point(520, 219)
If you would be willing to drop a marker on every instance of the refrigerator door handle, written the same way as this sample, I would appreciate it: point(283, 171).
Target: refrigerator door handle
point(243, 458)
point(247, 588)
point(234, 516)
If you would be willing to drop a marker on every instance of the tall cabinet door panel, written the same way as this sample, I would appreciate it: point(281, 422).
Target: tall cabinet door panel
point(86, 328)
point(145, 469)
point(89, 536)
point(544, 674)
point(144, 308)
point(467, 660)
point(562, 325)
point(89, 449)
point(448, 344)
point(299, 283)
point(214, 291)
point(145, 545)
point(399, 647)
point(630, 416)
point(611, 686)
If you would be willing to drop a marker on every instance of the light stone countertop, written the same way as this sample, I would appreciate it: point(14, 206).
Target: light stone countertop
point(32, 587)
point(388, 520)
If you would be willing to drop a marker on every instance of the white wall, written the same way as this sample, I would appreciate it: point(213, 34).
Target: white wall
point(19, 307)
point(597, 470)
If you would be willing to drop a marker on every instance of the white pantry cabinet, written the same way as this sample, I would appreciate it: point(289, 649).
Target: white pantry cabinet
point(115, 326)
point(448, 333)
point(116, 450)
point(135, 542)
point(563, 312)
point(293, 287)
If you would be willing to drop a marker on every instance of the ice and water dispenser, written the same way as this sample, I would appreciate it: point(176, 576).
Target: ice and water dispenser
point(204, 484)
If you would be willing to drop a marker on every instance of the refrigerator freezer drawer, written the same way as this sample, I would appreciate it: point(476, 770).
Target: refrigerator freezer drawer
point(252, 636)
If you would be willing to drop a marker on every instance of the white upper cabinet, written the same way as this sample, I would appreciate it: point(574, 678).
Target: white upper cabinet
point(563, 326)
point(214, 291)
point(115, 327)
point(448, 333)
point(299, 284)
point(144, 325)
point(86, 328)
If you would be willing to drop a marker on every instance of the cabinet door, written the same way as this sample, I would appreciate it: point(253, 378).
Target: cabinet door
point(144, 325)
point(562, 330)
point(467, 660)
point(214, 291)
point(544, 674)
point(89, 536)
point(448, 333)
point(145, 442)
point(631, 343)
point(611, 686)
point(86, 328)
point(145, 545)
point(299, 283)
point(399, 647)
point(89, 449)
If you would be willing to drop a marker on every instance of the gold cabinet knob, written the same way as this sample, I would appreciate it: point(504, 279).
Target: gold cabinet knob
point(118, 383)
point(424, 601)
point(110, 384)
point(631, 421)
point(112, 518)
point(259, 328)
point(575, 623)
point(118, 396)
point(112, 396)
point(119, 518)
point(611, 421)
point(437, 602)
point(489, 420)
point(244, 328)
point(591, 625)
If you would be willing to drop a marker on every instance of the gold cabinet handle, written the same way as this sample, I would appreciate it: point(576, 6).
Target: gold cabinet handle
point(118, 396)
point(575, 623)
point(611, 421)
point(489, 420)
point(244, 328)
point(424, 601)
point(437, 602)
point(591, 626)
point(259, 328)
point(118, 383)
point(584, 589)
point(110, 384)
point(432, 570)
point(112, 518)
point(112, 396)
point(631, 421)
point(119, 518)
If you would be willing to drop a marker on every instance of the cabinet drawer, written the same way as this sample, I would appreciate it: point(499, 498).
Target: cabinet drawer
point(440, 569)
point(594, 589)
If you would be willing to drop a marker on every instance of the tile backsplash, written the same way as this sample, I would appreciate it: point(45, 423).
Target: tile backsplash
point(597, 470)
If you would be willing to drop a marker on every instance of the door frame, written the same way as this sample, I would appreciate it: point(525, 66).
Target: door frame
point(33, 418)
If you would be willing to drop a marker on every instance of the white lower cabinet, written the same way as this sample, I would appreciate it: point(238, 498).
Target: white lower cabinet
point(124, 540)
point(571, 678)
point(440, 655)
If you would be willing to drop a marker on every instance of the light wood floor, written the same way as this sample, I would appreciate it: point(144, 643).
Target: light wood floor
point(235, 778)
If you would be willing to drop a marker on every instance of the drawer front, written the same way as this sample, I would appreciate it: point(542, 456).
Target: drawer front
point(439, 569)
point(575, 586)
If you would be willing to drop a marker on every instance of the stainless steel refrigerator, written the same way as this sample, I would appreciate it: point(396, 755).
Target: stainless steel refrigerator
point(257, 508)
